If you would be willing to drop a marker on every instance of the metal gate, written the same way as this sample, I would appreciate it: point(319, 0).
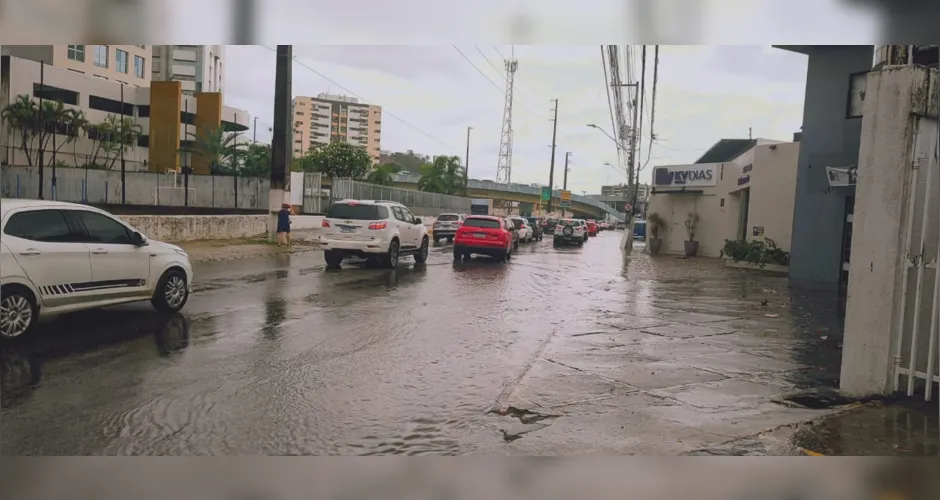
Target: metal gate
point(917, 344)
point(313, 193)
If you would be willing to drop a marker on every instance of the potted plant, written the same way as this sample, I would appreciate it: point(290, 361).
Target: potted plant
point(654, 224)
point(691, 223)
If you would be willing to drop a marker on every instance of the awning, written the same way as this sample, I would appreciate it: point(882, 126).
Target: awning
point(842, 176)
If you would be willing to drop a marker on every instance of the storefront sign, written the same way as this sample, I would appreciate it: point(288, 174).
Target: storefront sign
point(685, 176)
point(758, 231)
point(744, 179)
point(747, 168)
point(842, 177)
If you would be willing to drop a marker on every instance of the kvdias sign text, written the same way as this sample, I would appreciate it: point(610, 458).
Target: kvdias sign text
point(690, 176)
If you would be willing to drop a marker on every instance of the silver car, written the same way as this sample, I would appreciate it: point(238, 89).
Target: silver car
point(446, 226)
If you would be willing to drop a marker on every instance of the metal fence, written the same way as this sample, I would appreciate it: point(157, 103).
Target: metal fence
point(94, 186)
point(419, 202)
point(312, 193)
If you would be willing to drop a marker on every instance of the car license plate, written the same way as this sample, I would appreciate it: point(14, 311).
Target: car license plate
point(479, 235)
point(347, 229)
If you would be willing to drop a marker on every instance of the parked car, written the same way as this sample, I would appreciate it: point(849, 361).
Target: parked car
point(446, 226)
point(591, 228)
point(536, 228)
point(515, 232)
point(526, 233)
point(570, 231)
point(548, 226)
point(58, 257)
point(381, 231)
point(639, 230)
point(621, 225)
point(484, 235)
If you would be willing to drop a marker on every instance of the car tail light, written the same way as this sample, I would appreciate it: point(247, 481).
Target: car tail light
point(325, 223)
point(378, 225)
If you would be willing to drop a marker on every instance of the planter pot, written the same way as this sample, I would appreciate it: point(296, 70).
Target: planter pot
point(691, 248)
point(655, 244)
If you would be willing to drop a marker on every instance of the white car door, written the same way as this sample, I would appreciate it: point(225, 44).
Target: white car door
point(119, 268)
point(44, 245)
point(414, 227)
point(404, 228)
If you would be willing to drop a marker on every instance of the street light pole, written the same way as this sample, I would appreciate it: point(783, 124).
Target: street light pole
point(564, 186)
point(551, 171)
point(466, 163)
point(254, 131)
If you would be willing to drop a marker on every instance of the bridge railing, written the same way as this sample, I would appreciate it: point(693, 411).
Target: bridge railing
point(522, 189)
point(420, 202)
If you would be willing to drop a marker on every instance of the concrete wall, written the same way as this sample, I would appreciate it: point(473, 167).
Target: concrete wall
point(828, 139)
point(213, 227)
point(143, 188)
point(772, 192)
point(895, 247)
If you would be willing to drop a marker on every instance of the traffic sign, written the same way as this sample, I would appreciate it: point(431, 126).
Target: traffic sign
point(565, 198)
point(546, 193)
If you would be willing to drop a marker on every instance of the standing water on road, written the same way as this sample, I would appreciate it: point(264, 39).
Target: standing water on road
point(561, 350)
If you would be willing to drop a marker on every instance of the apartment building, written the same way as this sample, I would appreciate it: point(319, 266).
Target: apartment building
point(198, 67)
point(127, 64)
point(335, 118)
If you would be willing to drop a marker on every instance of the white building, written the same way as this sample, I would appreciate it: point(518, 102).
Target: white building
point(199, 67)
point(742, 190)
point(97, 98)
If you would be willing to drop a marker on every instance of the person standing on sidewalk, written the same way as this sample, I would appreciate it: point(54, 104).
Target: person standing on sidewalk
point(283, 224)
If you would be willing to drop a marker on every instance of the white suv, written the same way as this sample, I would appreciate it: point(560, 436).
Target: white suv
point(60, 257)
point(376, 230)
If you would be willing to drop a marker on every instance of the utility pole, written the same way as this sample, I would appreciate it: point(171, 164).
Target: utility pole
point(243, 21)
point(281, 143)
point(551, 171)
point(466, 163)
point(504, 165)
point(42, 127)
point(123, 165)
point(254, 131)
point(564, 185)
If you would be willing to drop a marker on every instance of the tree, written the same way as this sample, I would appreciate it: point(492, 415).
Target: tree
point(444, 175)
point(21, 115)
point(256, 161)
point(113, 137)
point(341, 160)
point(220, 148)
point(382, 174)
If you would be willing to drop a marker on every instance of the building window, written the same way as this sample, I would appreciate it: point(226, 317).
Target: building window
point(51, 93)
point(101, 56)
point(856, 100)
point(77, 53)
point(378, 122)
point(120, 60)
point(139, 64)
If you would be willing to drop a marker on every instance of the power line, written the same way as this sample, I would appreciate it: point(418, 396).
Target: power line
point(384, 110)
point(610, 105)
point(495, 86)
point(653, 110)
point(488, 60)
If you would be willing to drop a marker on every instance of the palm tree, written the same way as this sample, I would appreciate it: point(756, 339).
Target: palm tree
point(220, 148)
point(382, 174)
point(444, 175)
point(22, 115)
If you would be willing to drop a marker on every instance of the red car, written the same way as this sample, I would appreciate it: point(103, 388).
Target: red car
point(483, 235)
point(592, 228)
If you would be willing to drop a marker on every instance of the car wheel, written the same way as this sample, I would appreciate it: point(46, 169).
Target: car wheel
point(515, 245)
point(580, 243)
point(333, 259)
point(18, 312)
point(450, 240)
point(437, 241)
point(391, 260)
point(422, 256)
point(458, 254)
point(171, 293)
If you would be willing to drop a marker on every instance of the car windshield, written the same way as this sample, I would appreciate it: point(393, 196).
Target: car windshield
point(357, 211)
point(568, 222)
point(520, 222)
point(448, 217)
point(487, 223)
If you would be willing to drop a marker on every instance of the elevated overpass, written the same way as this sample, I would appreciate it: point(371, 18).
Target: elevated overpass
point(580, 205)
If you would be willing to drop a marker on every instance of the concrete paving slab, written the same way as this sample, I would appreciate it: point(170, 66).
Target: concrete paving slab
point(738, 363)
point(685, 331)
point(631, 322)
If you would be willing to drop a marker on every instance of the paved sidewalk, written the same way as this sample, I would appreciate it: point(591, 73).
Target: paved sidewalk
point(214, 250)
point(682, 355)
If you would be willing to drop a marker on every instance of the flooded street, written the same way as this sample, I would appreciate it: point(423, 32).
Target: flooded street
point(560, 351)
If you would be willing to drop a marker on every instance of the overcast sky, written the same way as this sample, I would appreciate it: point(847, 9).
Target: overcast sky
point(431, 94)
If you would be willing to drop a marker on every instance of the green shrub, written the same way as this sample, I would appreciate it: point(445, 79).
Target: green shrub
point(759, 252)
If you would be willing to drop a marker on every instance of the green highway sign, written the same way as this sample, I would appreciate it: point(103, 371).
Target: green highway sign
point(546, 193)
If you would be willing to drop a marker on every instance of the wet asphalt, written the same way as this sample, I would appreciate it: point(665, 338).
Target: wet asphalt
point(555, 352)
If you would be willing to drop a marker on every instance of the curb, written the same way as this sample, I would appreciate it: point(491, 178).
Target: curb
point(254, 255)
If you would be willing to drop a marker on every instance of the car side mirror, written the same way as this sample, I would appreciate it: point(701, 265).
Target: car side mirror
point(138, 239)
point(418, 220)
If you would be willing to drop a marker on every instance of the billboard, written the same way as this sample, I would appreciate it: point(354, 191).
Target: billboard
point(703, 175)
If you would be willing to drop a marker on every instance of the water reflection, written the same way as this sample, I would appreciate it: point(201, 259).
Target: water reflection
point(275, 311)
point(174, 336)
point(19, 376)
